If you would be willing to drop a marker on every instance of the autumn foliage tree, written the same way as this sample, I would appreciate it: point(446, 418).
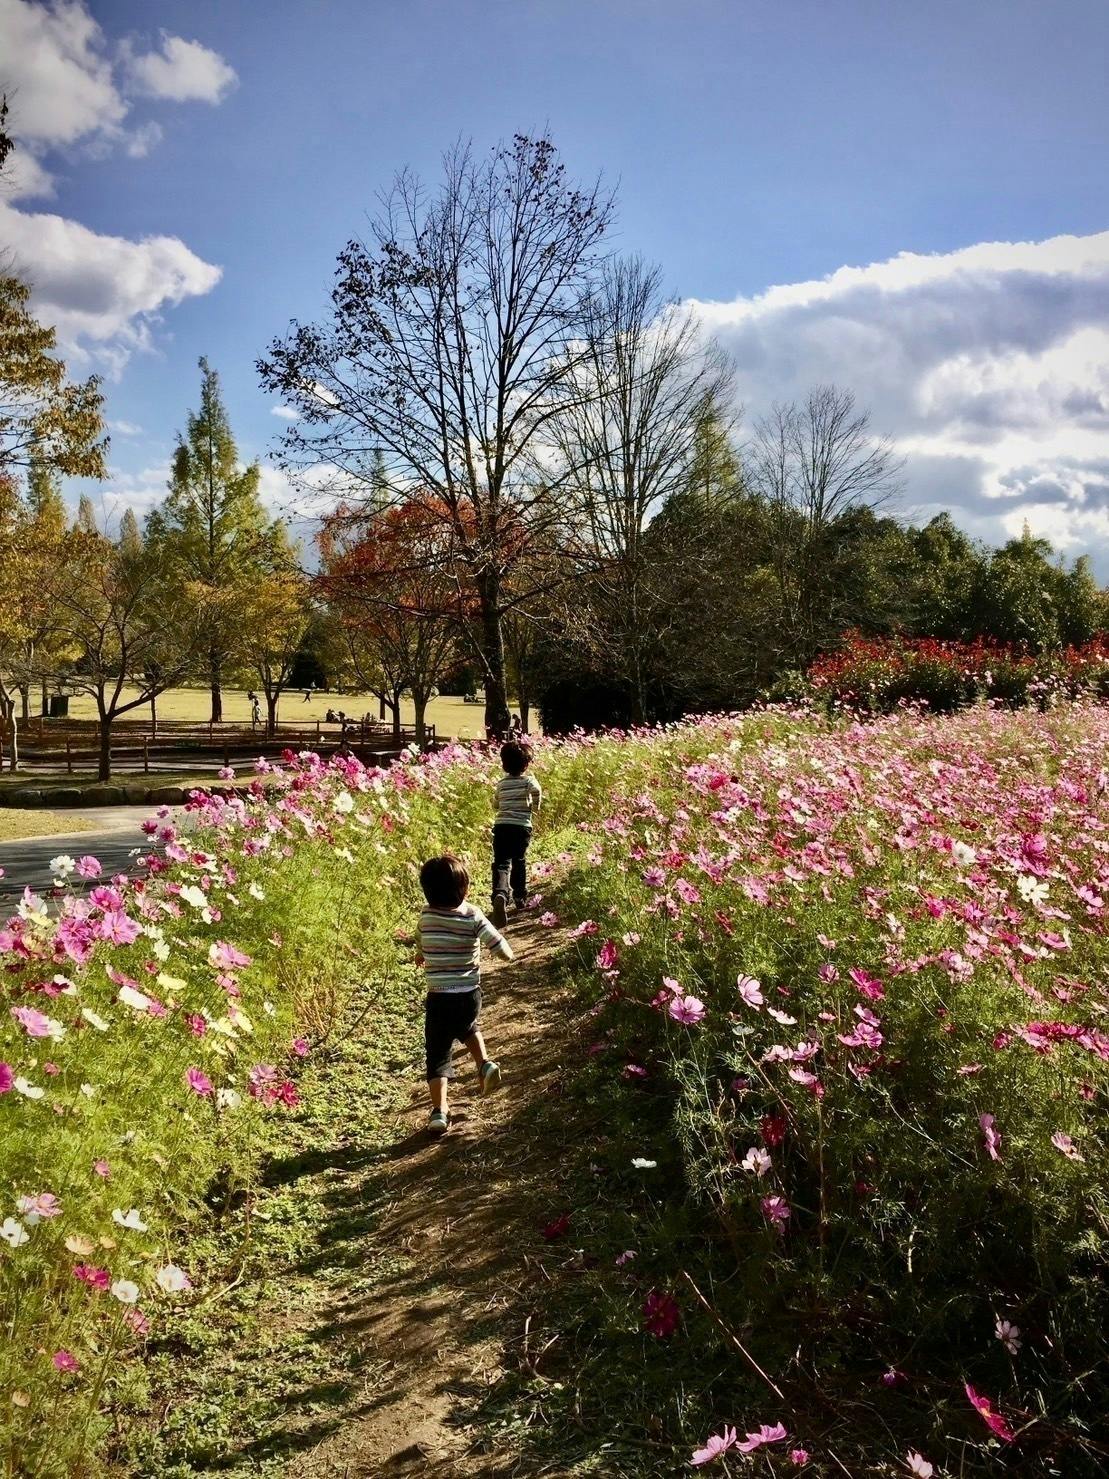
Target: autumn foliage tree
point(389, 578)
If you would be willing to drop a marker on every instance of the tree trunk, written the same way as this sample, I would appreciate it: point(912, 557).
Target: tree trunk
point(8, 721)
point(381, 704)
point(45, 700)
point(419, 703)
point(217, 695)
point(25, 702)
point(394, 704)
point(271, 715)
point(104, 771)
point(492, 651)
point(525, 712)
point(153, 714)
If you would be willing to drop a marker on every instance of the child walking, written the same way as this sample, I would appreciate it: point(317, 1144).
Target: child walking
point(451, 936)
point(518, 797)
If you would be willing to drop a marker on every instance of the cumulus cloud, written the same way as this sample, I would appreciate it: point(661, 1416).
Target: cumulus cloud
point(74, 87)
point(103, 293)
point(989, 366)
point(183, 71)
point(125, 428)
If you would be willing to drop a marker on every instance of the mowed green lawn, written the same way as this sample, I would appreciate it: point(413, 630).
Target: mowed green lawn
point(451, 716)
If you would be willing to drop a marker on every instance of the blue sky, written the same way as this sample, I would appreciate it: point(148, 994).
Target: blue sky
point(191, 169)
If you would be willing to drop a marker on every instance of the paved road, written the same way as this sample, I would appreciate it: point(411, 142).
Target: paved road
point(114, 834)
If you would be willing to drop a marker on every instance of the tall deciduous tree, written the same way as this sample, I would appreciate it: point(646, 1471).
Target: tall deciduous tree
point(277, 618)
point(812, 463)
point(214, 532)
point(114, 612)
point(628, 439)
point(44, 417)
point(450, 349)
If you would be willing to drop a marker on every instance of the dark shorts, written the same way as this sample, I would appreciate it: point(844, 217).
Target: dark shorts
point(449, 1017)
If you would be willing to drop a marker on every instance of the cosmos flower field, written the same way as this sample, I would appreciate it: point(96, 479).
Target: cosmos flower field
point(849, 1029)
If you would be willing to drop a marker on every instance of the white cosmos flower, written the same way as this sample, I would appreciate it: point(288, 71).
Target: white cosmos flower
point(172, 1280)
point(642, 1164)
point(228, 1099)
point(132, 998)
point(28, 1090)
point(93, 1020)
point(32, 909)
point(194, 896)
point(130, 1219)
point(65, 985)
point(62, 866)
point(343, 803)
point(783, 1017)
point(1032, 890)
point(963, 854)
point(13, 1232)
point(161, 951)
point(256, 892)
point(89, 1090)
point(757, 1161)
point(125, 1291)
point(344, 853)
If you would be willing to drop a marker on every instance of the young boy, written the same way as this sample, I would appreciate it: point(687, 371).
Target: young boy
point(451, 937)
point(518, 797)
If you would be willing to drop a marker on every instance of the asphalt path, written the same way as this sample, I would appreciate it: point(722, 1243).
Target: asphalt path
point(114, 837)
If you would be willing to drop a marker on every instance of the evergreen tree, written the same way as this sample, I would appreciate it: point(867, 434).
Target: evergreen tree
point(86, 515)
point(130, 535)
point(215, 531)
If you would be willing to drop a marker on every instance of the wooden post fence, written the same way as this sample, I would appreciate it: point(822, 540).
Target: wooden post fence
point(146, 756)
point(69, 756)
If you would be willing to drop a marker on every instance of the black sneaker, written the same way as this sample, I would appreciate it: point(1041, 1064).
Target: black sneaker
point(500, 912)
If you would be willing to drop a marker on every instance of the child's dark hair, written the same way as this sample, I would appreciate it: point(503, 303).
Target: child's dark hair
point(515, 758)
point(444, 881)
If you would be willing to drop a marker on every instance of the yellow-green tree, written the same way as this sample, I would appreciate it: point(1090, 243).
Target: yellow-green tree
point(44, 418)
point(276, 620)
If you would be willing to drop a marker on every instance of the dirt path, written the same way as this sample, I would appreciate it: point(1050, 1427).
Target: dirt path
point(457, 1218)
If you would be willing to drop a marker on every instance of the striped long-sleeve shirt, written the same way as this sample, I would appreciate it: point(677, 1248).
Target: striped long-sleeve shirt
point(517, 798)
point(450, 943)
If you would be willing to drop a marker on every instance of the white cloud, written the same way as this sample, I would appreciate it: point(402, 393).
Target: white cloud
point(103, 293)
point(73, 86)
point(25, 178)
point(285, 412)
point(125, 428)
point(183, 71)
point(314, 493)
point(988, 365)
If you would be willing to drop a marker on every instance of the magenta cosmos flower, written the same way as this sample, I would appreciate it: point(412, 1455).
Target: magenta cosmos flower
point(990, 1137)
point(687, 1009)
point(661, 1314)
point(993, 1420)
point(65, 1361)
point(199, 1082)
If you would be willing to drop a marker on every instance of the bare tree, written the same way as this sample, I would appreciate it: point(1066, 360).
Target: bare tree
point(449, 351)
point(628, 441)
point(812, 464)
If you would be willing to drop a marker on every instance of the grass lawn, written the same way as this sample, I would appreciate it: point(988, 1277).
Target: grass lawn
point(451, 716)
point(16, 823)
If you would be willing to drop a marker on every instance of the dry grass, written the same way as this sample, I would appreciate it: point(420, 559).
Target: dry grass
point(16, 824)
point(451, 716)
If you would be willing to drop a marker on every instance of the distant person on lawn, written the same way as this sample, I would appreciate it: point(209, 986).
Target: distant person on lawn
point(451, 934)
point(518, 797)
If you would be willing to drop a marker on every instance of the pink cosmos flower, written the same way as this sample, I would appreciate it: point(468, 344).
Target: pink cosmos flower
point(119, 928)
point(300, 1047)
point(548, 920)
point(993, 1420)
point(828, 973)
point(607, 956)
point(687, 1009)
point(750, 991)
point(199, 1082)
point(622, 1259)
point(715, 1445)
point(654, 878)
point(767, 1433)
point(65, 1361)
point(34, 1209)
point(991, 1137)
point(95, 1278)
point(102, 1168)
point(757, 1161)
point(196, 1024)
point(799, 1456)
point(869, 985)
point(1009, 1336)
point(33, 1023)
point(224, 957)
point(136, 1320)
point(917, 1464)
point(587, 927)
point(661, 1314)
point(634, 1070)
point(1065, 1144)
point(776, 1210)
point(88, 867)
point(7, 1077)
